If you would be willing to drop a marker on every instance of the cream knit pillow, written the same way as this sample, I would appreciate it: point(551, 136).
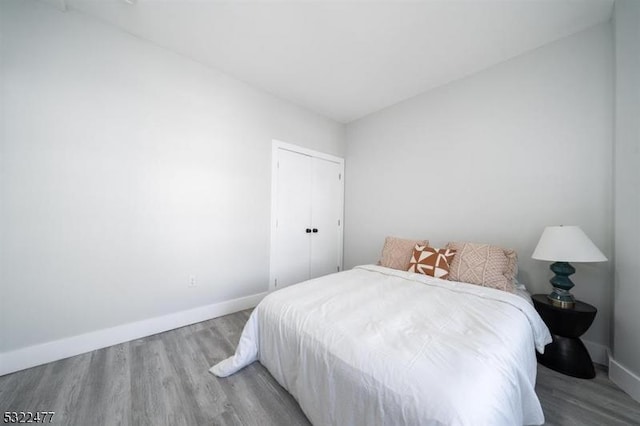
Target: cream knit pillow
point(484, 264)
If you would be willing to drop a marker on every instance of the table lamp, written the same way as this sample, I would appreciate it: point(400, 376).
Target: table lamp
point(561, 245)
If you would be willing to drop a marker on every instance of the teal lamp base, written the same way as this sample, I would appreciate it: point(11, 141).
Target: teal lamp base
point(561, 296)
point(562, 299)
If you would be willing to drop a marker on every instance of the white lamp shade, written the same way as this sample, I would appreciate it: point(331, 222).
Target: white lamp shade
point(567, 244)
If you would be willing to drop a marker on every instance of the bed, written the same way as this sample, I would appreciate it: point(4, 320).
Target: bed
point(379, 346)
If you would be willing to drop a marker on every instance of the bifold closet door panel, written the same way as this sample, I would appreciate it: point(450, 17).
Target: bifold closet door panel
point(325, 215)
point(294, 217)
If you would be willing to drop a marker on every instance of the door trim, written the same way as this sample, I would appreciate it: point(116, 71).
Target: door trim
point(275, 146)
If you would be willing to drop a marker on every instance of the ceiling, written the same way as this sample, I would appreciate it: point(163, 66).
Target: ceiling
point(344, 59)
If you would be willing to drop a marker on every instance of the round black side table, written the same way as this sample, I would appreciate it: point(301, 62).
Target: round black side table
point(566, 354)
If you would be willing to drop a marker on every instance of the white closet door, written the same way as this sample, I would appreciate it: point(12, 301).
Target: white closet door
point(293, 217)
point(326, 212)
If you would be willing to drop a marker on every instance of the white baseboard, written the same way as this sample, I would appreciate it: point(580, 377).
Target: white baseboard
point(599, 353)
point(625, 379)
point(31, 356)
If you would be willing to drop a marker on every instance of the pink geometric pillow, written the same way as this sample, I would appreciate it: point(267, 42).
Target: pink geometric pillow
point(431, 261)
point(397, 252)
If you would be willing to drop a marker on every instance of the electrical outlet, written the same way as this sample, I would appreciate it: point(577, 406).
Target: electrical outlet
point(192, 281)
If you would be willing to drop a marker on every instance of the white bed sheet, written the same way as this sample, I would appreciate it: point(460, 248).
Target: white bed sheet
point(377, 346)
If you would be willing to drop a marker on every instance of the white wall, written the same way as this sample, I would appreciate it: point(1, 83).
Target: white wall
point(495, 158)
point(126, 169)
point(626, 321)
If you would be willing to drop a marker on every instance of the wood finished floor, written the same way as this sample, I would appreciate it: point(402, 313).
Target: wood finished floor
point(163, 380)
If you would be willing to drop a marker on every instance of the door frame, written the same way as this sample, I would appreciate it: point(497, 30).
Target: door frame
point(275, 146)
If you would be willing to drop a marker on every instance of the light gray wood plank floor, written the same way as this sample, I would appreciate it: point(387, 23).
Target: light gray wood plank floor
point(163, 380)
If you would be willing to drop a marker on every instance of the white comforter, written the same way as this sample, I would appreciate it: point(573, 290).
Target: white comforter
point(376, 346)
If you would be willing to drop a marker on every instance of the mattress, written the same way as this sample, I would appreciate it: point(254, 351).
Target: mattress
point(377, 346)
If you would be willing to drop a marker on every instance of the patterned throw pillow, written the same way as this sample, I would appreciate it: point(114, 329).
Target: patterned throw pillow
point(485, 265)
point(431, 261)
point(396, 252)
